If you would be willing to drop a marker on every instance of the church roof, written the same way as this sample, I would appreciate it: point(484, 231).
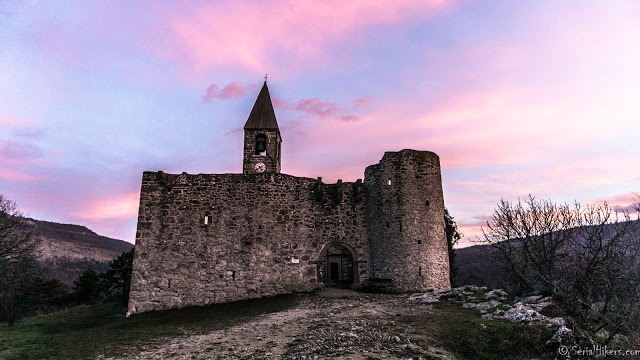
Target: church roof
point(262, 115)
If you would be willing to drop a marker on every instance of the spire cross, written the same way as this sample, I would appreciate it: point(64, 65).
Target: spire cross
point(265, 77)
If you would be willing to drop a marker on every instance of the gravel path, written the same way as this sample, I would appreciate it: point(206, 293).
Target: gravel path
point(333, 324)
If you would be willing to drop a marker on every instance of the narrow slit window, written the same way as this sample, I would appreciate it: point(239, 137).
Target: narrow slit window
point(206, 219)
point(420, 271)
point(389, 182)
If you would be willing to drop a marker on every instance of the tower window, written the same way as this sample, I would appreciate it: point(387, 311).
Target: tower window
point(206, 220)
point(261, 145)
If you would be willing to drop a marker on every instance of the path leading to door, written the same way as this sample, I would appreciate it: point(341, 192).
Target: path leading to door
point(334, 323)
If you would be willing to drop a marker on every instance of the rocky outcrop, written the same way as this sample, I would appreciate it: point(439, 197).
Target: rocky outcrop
point(494, 304)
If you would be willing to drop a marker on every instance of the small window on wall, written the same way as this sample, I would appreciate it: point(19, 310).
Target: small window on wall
point(389, 182)
point(206, 220)
point(261, 145)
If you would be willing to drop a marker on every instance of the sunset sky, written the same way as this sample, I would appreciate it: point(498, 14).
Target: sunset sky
point(516, 97)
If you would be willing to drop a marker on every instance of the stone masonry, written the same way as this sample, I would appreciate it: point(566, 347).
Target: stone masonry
point(214, 238)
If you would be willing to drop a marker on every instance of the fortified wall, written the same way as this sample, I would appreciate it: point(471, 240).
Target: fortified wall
point(263, 236)
point(206, 239)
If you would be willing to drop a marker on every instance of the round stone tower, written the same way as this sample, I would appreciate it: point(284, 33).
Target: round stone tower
point(404, 215)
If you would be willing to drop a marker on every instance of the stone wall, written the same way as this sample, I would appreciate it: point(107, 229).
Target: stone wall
point(405, 223)
point(257, 227)
point(217, 238)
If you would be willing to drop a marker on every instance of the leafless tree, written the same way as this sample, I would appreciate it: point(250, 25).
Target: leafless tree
point(18, 261)
point(588, 258)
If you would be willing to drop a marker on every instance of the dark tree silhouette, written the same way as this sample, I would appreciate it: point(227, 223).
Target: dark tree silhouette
point(87, 289)
point(18, 261)
point(453, 236)
point(117, 280)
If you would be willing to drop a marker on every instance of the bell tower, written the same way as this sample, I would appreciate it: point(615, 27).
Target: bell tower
point(262, 139)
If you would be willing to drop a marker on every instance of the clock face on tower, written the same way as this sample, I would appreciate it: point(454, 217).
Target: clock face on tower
point(260, 167)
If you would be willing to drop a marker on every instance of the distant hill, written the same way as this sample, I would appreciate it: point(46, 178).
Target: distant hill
point(478, 264)
point(68, 250)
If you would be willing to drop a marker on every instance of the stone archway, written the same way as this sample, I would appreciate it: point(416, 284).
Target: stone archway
point(338, 265)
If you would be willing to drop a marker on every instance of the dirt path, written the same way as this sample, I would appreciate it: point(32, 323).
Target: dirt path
point(334, 323)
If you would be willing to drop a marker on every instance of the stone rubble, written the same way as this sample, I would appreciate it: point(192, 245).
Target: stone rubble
point(522, 310)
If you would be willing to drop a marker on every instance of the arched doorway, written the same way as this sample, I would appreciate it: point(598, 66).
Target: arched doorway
point(338, 265)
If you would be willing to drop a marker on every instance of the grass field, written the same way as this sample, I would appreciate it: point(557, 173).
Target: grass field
point(89, 330)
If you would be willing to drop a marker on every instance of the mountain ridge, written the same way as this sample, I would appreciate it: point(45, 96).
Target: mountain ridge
point(67, 250)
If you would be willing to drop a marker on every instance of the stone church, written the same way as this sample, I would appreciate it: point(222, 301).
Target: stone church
point(214, 238)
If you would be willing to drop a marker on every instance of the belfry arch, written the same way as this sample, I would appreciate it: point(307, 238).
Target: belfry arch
point(338, 265)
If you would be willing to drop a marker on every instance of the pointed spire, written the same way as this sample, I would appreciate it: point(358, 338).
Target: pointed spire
point(262, 115)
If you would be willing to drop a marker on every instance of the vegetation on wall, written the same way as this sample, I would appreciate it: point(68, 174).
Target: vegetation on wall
point(453, 236)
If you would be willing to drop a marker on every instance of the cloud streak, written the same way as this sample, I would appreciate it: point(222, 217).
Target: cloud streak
point(233, 90)
point(316, 107)
point(251, 33)
point(118, 207)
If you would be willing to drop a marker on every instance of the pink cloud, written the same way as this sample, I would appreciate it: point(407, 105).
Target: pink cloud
point(311, 106)
point(255, 34)
point(18, 154)
point(119, 207)
point(5, 120)
point(349, 118)
point(18, 160)
point(281, 104)
point(233, 90)
point(315, 106)
point(13, 175)
point(621, 203)
point(363, 101)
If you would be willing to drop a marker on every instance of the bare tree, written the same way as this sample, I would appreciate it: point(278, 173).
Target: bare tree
point(588, 258)
point(18, 261)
